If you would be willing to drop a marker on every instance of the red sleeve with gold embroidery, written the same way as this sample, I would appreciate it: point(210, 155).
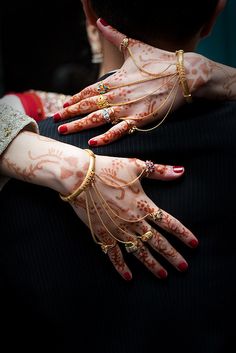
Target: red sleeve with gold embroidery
point(39, 104)
point(32, 105)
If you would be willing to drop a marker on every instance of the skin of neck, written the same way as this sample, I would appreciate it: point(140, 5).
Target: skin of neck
point(113, 59)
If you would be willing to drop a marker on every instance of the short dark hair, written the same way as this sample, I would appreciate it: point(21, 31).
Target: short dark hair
point(168, 19)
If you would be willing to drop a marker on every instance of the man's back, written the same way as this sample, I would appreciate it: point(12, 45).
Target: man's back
point(68, 295)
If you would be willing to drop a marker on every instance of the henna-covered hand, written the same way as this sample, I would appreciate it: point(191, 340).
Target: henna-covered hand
point(117, 210)
point(121, 216)
point(142, 92)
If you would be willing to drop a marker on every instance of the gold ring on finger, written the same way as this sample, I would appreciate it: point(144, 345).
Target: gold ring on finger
point(106, 247)
point(157, 215)
point(146, 236)
point(124, 44)
point(131, 126)
point(131, 246)
point(102, 102)
point(149, 168)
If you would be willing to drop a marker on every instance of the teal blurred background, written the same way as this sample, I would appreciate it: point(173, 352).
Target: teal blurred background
point(220, 45)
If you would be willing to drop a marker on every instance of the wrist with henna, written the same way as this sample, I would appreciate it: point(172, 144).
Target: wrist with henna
point(43, 161)
point(208, 79)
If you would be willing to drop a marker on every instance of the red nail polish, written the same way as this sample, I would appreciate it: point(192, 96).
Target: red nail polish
point(56, 117)
point(193, 243)
point(178, 169)
point(162, 273)
point(183, 266)
point(66, 105)
point(103, 22)
point(62, 129)
point(127, 276)
point(92, 142)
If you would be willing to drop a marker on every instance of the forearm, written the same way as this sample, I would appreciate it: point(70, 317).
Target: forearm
point(223, 82)
point(43, 161)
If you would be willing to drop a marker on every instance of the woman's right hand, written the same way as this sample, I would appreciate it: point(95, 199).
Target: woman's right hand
point(143, 91)
point(122, 217)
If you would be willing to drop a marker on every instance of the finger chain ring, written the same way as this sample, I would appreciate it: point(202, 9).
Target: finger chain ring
point(106, 115)
point(124, 44)
point(102, 88)
point(157, 215)
point(102, 102)
point(131, 246)
point(106, 247)
point(146, 236)
point(149, 168)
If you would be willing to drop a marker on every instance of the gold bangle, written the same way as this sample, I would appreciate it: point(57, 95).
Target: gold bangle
point(87, 180)
point(182, 77)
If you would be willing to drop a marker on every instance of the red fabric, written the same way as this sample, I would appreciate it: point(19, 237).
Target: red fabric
point(32, 105)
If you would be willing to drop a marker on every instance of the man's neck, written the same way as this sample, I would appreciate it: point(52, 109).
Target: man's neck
point(113, 59)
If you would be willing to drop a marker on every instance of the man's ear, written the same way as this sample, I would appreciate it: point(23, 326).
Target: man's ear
point(91, 16)
point(207, 28)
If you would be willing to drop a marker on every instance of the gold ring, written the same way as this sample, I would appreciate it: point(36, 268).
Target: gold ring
point(146, 236)
point(124, 44)
point(157, 215)
point(102, 102)
point(106, 247)
point(131, 246)
point(149, 168)
point(131, 127)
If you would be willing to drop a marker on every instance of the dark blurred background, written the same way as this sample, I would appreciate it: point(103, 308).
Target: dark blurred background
point(47, 49)
point(44, 48)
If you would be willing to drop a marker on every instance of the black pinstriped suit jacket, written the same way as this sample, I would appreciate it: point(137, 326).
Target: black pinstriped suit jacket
point(60, 292)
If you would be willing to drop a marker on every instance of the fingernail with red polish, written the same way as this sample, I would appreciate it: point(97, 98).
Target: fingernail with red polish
point(66, 105)
point(62, 129)
point(56, 117)
point(103, 22)
point(183, 266)
point(92, 142)
point(178, 169)
point(162, 273)
point(193, 243)
point(127, 276)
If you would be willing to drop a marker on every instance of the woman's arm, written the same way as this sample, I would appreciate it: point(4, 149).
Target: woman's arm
point(114, 206)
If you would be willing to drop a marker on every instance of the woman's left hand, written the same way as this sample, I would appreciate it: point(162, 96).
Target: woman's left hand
point(120, 215)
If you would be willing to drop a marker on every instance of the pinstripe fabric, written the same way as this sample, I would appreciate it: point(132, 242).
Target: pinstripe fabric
point(61, 294)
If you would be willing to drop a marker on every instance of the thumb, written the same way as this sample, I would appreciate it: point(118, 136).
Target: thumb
point(110, 33)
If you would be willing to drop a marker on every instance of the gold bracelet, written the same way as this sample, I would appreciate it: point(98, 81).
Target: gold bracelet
point(87, 180)
point(182, 77)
